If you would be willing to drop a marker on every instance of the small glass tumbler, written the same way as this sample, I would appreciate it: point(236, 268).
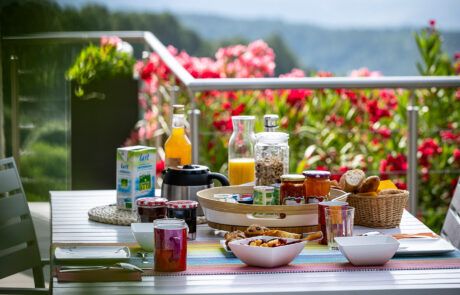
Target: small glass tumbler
point(170, 236)
point(339, 223)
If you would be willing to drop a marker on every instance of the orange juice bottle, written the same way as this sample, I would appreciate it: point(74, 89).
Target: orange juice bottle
point(241, 165)
point(178, 149)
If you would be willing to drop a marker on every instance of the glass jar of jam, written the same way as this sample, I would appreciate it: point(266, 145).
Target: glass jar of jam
point(317, 185)
point(150, 209)
point(186, 210)
point(292, 190)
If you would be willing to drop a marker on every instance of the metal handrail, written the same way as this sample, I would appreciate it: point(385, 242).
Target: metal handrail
point(195, 85)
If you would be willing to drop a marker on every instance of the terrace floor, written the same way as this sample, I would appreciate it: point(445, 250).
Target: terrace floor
point(41, 217)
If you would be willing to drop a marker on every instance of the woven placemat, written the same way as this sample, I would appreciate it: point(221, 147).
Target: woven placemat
point(112, 215)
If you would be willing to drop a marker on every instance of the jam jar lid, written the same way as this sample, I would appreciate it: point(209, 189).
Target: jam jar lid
point(292, 177)
point(151, 202)
point(182, 204)
point(317, 173)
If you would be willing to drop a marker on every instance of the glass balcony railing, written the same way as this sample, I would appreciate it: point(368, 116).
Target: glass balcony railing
point(40, 97)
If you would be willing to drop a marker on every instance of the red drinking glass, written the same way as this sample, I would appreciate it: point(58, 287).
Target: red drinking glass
point(170, 237)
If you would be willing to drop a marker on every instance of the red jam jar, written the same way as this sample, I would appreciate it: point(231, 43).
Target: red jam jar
point(150, 209)
point(186, 210)
point(292, 190)
point(317, 185)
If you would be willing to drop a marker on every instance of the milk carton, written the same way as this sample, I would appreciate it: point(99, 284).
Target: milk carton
point(136, 170)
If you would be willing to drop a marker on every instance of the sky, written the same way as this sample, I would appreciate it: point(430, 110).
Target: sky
point(325, 13)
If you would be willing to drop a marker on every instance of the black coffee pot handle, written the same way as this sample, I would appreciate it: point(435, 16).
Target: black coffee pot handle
point(220, 177)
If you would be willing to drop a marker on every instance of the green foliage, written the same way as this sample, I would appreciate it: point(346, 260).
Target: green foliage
point(44, 161)
point(100, 62)
point(440, 112)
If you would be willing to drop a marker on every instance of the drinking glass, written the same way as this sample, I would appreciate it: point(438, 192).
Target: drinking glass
point(339, 223)
point(170, 237)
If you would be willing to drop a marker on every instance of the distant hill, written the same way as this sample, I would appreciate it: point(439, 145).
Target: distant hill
point(393, 52)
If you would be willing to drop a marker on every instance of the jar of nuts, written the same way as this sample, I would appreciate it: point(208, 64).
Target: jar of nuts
point(271, 155)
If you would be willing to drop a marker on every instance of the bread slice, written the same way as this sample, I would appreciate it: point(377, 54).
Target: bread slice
point(352, 180)
point(371, 184)
point(282, 234)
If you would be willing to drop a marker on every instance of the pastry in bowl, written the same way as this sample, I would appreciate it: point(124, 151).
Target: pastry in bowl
point(266, 251)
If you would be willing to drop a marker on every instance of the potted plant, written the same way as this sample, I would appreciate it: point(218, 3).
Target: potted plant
point(104, 110)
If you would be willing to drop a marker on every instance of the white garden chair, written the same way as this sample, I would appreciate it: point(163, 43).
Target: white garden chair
point(451, 228)
point(18, 242)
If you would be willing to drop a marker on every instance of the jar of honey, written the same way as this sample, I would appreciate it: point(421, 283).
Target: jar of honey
point(292, 191)
point(317, 185)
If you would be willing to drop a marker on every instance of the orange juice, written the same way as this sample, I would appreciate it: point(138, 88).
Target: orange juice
point(178, 149)
point(241, 170)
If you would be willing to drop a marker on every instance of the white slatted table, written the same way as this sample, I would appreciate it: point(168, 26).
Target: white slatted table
point(70, 224)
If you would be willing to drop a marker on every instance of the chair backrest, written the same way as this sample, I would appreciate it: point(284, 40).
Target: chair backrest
point(18, 243)
point(451, 228)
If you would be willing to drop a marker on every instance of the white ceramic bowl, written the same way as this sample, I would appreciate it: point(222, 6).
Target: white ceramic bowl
point(143, 233)
point(368, 250)
point(264, 256)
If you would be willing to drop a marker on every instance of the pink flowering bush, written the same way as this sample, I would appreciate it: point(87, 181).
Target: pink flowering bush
point(332, 130)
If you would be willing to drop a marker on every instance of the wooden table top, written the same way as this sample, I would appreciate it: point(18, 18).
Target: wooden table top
point(70, 224)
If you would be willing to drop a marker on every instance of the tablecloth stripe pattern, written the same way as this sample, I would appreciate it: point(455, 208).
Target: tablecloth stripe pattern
point(209, 258)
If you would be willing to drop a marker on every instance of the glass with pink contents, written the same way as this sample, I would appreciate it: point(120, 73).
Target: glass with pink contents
point(170, 252)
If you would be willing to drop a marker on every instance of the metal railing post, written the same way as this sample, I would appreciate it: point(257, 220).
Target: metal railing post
point(412, 117)
point(15, 135)
point(194, 115)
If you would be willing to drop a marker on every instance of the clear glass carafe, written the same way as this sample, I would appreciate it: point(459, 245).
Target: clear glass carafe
point(241, 150)
point(271, 157)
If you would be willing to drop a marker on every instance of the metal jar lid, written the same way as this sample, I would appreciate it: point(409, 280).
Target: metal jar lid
point(292, 177)
point(317, 174)
point(182, 204)
point(266, 189)
point(151, 202)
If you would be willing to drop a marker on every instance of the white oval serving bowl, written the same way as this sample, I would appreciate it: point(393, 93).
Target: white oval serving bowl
point(264, 256)
point(143, 233)
point(368, 250)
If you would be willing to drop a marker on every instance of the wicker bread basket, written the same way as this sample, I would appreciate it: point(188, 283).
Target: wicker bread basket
point(383, 211)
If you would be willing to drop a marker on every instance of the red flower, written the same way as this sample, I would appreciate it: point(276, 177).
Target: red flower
point(146, 72)
point(297, 97)
point(400, 184)
point(428, 149)
point(432, 23)
point(238, 110)
point(337, 120)
point(457, 55)
point(456, 155)
point(449, 136)
point(322, 168)
point(226, 106)
point(393, 165)
point(384, 132)
point(223, 125)
point(336, 175)
point(160, 166)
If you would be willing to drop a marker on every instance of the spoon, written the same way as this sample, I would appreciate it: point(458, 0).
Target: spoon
point(143, 255)
point(120, 265)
